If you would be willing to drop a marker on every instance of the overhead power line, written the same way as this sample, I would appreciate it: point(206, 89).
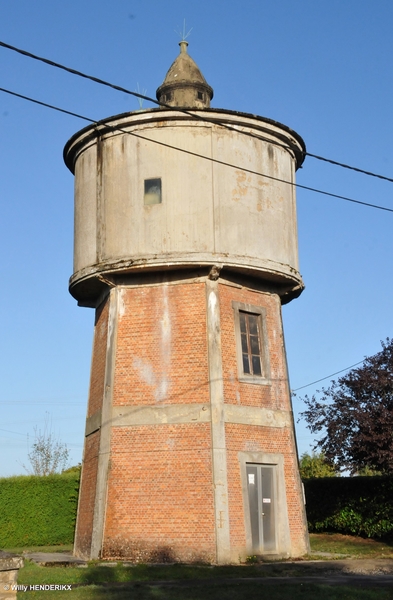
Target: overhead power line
point(339, 164)
point(26, 435)
point(327, 377)
point(15, 432)
point(209, 158)
point(179, 109)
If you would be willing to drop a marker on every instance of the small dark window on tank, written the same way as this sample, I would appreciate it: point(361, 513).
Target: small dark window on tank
point(153, 191)
point(168, 97)
point(200, 95)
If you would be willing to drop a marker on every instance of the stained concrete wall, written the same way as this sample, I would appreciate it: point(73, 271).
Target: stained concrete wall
point(233, 210)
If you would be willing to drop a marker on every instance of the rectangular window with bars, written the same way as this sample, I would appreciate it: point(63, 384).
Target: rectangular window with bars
point(251, 343)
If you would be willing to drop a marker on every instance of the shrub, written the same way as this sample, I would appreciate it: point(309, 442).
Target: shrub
point(351, 505)
point(37, 510)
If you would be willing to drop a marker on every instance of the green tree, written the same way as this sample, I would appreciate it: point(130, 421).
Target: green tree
point(355, 416)
point(316, 465)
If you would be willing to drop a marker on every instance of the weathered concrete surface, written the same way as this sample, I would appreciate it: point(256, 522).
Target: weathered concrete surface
point(216, 391)
point(154, 415)
point(9, 567)
point(57, 559)
point(234, 217)
point(189, 413)
point(105, 439)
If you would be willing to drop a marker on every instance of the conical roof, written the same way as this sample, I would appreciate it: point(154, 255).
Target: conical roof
point(184, 84)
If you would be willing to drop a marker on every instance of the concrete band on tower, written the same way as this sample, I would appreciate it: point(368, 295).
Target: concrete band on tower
point(186, 246)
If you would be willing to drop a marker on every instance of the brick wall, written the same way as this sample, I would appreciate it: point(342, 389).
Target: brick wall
point(160, 490)
point(246, 438)
point(161, 346)
point(98, 364)
point(274, 396)
point(160, 497)
point(87, 493)
point(161, 501)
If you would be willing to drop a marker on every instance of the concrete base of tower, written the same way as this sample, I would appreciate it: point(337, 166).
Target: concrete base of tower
point(190, 450)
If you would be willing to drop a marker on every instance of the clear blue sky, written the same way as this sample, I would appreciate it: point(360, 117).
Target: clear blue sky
point(322, 68)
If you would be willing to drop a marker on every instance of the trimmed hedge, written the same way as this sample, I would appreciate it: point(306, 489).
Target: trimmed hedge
point(351, 505)
point(38, 511)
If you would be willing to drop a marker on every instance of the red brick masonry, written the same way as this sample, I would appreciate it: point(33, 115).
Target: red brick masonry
point(159, 497)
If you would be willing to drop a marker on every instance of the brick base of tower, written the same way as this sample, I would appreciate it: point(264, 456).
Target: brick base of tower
point(173, 428)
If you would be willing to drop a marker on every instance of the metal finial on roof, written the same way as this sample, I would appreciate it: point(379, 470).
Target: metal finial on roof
point(183, 46)
point(183, 34)
point(143, 92)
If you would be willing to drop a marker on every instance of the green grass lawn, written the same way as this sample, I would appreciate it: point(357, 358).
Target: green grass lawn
point(220, 591)
point(188, 582)
point(355, 547)
point(120, 582)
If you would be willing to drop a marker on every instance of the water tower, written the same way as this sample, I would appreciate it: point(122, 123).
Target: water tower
point(186, 247)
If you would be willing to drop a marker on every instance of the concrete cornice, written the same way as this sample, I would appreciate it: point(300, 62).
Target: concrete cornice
point(287, 279)
point(133, 121)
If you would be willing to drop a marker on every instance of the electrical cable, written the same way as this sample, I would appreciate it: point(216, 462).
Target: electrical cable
point(179, 109)
point(15, 432)
point(345, 166)
point(211, 159)
point(138, 95)
point(40, 403)
point(327, 377)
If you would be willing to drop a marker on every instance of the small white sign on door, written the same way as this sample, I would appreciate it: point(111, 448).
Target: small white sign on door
point(251, 478)
point(266, 500)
